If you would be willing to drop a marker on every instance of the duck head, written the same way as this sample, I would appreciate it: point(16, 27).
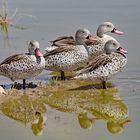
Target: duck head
point(114, 46)
point(107, 27)
point(34, 48)
point(122, 51)
point(84, 37)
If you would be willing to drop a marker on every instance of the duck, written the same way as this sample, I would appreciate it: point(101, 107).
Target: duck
point(68, 58)
point(101, 35)
point(105, 65)
point(39, 124)
point(24, 66)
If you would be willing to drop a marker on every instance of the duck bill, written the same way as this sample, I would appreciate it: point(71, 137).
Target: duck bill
point(115, 31)
point(91, 40)
point(38, 53)
point(123, 51)
point(125, 123)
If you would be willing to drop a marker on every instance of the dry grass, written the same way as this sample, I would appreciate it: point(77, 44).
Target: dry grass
point(77, 85)
point(7, 20)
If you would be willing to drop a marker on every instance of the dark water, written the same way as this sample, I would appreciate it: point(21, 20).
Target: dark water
point(54, 18)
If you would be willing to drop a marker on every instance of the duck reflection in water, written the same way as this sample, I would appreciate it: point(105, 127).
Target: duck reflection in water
point(113, 127)
point(93, 107)
point(112, 110)
point(39, 124)
point(26, 110)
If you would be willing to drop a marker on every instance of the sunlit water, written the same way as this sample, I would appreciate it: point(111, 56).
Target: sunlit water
point(54, 18)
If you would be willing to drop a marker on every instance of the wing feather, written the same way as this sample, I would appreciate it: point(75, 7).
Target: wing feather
point(59, 50)
point(13, 58)
point(101, 60)
point(63, 41)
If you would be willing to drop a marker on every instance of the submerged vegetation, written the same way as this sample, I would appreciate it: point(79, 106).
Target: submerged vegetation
point(7, 20)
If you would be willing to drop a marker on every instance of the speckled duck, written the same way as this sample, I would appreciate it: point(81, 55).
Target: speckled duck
point(105, 65)
point(68, 58)
point(24, 66)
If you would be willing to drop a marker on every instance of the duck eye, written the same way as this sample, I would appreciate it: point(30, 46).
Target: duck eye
point(83, 32)
point(108, 25)
point(87, 37)
point(31, 44)
point(114, 44)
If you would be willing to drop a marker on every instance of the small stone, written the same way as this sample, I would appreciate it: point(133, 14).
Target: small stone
point(2, 91)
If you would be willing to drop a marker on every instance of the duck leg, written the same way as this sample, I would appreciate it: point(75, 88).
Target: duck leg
point(24, 84)
point(104, 84)
point(62, 75)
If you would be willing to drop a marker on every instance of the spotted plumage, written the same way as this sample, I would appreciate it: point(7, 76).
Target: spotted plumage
point(105, 65)
point(67, 58)
point(23, 66)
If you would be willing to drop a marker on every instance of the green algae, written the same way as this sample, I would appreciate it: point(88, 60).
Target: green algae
point(22, 108)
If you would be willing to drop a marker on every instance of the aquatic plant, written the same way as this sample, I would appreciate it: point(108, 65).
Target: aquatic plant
point(7, 20)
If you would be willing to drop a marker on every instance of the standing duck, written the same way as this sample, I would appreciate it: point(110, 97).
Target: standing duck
point(68, 58)
point(24, 66)
point(105, 65)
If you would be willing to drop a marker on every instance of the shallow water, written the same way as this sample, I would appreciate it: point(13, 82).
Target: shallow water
point(54, 18)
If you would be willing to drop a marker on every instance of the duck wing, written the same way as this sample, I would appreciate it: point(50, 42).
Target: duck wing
point(59, 50)
point(13, 58)
point(101, 60)
point(63, 41)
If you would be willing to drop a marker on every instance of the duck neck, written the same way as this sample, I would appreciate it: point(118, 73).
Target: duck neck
point(38, 59)
point(107, 49)
point(100, 32)
point(81, 42)
point(87, 49)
